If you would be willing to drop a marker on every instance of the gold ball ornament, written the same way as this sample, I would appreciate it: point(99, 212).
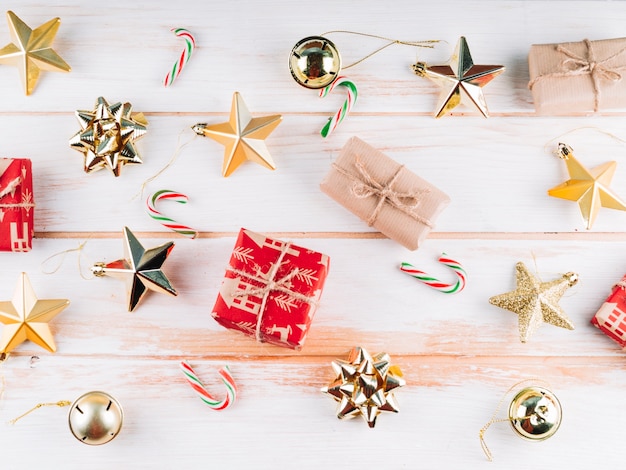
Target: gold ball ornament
point(314, 62)
point(535, 413)
point(95, 418)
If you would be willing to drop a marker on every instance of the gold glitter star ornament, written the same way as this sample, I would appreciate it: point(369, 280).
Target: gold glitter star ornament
point(460, 80)
point(141, 269)
point(365, 385)
point(31, 50)
point(536, 302)
point(589, 188)
point(242, 136)
point(107, 136)
point(26, 317)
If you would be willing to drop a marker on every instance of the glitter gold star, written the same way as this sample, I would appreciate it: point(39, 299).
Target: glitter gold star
point(536, 302)
point(31, 50)
point(365, 385)
point(26, 317)
point(589, 188)
point(242, 136)
point(460, 80)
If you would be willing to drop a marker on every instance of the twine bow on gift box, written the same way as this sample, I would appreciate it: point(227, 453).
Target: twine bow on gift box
point(268, 283)
point(576, 65)
point(364, 186)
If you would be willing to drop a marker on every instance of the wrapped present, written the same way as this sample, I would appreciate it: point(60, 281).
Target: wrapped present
point(611, 317)
point(271, 289)
point(578, 77)
point(17, 206)
point(384, 193)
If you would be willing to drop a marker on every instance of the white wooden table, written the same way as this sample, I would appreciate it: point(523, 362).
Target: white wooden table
point(459, 354)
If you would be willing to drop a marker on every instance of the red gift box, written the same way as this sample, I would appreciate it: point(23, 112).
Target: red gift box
point(611, 317)
point(17, 206)
point(271, 289)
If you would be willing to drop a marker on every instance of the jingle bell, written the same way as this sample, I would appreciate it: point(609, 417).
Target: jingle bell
point(314, 62)
point(95, 418)
point(535, 413)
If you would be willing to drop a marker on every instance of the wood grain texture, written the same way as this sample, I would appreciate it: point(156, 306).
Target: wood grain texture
point(459, 354)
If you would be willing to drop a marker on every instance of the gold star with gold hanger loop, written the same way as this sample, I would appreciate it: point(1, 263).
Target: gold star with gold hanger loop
point(536, 302)
point(31, 50)
point(26, 318)
point(141, 269)
point(589, 188)
point(460, 80)
point(242, 136)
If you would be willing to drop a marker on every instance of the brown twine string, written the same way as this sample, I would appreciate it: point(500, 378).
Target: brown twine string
point(269, 284)
point(493, 420)
point(63, 254)
point(575, 65)
point(428, 43)
point(60, 404)
point(174, 157)
point(557, 151)
point(364, 186)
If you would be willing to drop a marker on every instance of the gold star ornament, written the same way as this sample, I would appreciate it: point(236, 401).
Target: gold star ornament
point(141, 269)
point(242, 136)
point(107, 136)
point(31, 50)
point(26, 318)
point(589, 188)
point(365, 385)
point(536, 302)
point(460, 80)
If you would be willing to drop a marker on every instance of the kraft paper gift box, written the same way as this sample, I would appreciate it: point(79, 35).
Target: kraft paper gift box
point(578, 77)
point(385, 194)
point(17, 207)
point(271, 289)
point(611, 317)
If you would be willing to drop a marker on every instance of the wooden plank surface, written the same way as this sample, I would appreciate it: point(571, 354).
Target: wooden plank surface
point(458, 353)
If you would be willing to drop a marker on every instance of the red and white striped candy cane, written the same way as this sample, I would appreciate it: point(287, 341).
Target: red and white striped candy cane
point(205, 396)
point(185, 55)
point(339, 116)
point(166, 221)
point(435, 283)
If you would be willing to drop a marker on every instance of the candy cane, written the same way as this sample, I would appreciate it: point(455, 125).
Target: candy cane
point(190, 44)
point(166, 221)
point(196, 384)
point(339, 116)
point(435, 283)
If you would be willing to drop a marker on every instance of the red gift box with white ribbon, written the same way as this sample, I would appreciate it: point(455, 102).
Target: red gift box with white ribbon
point(271, 289)
point(611, 317)
point(17, 207)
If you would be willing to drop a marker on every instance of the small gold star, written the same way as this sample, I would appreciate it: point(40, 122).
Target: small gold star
point(31, 50)
point(460, 79)
point(536, 302)
point(141, 269)
point(589, 188)
point(243, 136)
point(26, 317)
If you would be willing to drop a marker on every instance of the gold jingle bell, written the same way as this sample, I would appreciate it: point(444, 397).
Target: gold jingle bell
point(535, 413)
point(95, 418)
point(314, 62)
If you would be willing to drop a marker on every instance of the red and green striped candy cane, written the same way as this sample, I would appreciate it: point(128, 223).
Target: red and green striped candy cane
point(435, 283)
point(168, 222)
point(185, 55)
point(340, 115)
point(205, 396)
